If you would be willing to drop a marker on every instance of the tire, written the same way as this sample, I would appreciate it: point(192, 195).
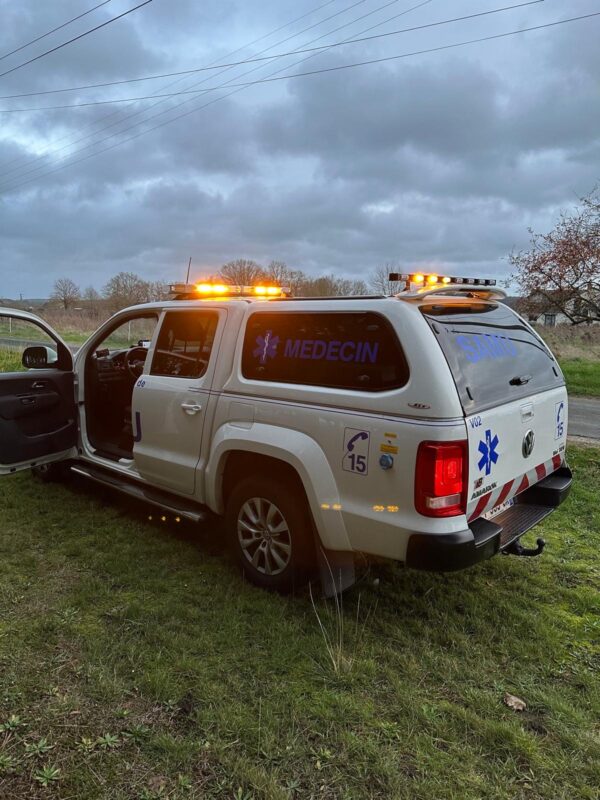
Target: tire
point(270, 531)
point(52, 473)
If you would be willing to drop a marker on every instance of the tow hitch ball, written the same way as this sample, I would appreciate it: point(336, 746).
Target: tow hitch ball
point(516, 548)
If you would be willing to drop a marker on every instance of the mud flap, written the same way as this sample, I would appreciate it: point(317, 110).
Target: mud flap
point(336, 570)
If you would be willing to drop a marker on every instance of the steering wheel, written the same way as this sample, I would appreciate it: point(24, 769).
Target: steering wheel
point(135, 359)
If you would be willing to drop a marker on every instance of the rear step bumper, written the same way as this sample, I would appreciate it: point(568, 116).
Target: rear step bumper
point(484, 538)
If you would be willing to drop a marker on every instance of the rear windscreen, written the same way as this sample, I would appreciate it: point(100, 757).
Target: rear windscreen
point(494, 357)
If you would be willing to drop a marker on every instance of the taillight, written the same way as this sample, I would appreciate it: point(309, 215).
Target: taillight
point(441, 479)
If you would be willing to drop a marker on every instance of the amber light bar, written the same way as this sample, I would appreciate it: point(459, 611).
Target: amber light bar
point(207, 289)
point(433, 279)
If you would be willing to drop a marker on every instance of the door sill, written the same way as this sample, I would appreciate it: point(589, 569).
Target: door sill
point(140, 491)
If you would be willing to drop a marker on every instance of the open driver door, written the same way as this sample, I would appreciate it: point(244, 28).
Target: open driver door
point(38, 412)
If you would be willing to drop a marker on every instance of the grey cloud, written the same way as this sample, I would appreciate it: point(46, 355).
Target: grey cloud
point(444, 159)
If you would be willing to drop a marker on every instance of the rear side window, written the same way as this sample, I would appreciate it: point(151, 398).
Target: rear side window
point(494, 357)
point(341, 350)
point(184, 344)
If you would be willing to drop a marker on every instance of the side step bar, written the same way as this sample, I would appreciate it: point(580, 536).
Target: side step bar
point(168, 502)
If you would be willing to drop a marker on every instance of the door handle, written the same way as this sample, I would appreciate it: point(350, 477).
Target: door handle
point(191, 408)
point(38, 385)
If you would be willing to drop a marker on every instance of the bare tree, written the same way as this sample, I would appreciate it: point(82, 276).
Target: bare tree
point(157, 290)
point(324, 286)
point(331, 286)
point(279, 273)
point(92, 301)
point(379, 280)
point(347, 287)
point(296, 281)
point(561, 270)
point(126, 289)
point(242, 272)
point(66, 291)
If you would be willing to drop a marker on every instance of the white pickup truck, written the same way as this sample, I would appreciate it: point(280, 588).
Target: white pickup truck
point(428, 427)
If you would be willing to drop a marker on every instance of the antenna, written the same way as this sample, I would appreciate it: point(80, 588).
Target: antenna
point(187, 280)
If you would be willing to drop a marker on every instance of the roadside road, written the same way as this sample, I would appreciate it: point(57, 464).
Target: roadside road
point(584, 417)
point(5, 341)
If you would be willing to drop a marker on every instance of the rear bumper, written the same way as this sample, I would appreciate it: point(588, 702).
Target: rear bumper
point(484, 538)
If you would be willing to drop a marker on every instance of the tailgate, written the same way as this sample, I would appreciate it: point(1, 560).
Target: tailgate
point(512, 392)
point(512, 447)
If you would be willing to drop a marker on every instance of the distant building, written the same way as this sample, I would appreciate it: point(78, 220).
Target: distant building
point(542, 315)
point(541, 310)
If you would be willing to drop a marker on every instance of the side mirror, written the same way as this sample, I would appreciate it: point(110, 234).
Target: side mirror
point(39, 357)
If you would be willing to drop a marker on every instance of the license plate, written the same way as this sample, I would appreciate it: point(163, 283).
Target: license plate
point(498, 509)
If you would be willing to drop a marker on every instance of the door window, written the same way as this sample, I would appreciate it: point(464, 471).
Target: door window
point(184, 344)
point(24, 346)
point(134, 332)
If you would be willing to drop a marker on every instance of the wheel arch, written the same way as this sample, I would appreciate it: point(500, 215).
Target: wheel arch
point(280, 452)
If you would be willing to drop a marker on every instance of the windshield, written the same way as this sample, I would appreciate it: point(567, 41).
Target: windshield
point(493, 355)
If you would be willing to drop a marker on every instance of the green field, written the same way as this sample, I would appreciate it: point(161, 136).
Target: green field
point(10, 361)
point(136, 663)
point(27, 330)
point(582, 376)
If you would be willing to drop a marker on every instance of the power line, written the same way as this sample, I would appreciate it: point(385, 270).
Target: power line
point(211, 102)
point(329, 69)
point(24, 162)
point(18, 167)
point(74, 39)
point(320, 71)
point(253, 60)
point(58, 28)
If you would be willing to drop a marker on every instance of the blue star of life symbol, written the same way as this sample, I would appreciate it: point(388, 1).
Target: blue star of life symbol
point(266, 347)
point(488, 452)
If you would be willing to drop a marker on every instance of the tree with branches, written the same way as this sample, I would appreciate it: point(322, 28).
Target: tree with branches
point(242, 272)
point(92, 301)
point(126, 289)
point(380, 283)
point(561, 269)
point(66, 292)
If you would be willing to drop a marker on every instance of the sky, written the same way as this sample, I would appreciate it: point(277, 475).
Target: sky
point(438, 160)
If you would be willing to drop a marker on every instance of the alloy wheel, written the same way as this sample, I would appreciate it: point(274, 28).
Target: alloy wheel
point(264, 536)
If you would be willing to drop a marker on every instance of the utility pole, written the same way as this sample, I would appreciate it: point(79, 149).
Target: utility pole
point(187, 280)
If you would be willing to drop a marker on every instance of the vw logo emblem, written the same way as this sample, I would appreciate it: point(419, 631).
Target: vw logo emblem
point(528, 443)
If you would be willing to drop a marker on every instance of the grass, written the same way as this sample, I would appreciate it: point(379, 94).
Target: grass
point(10, 361)
point(73, 327)
point(136, 663)
point(582, 376)
point(578, 352)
